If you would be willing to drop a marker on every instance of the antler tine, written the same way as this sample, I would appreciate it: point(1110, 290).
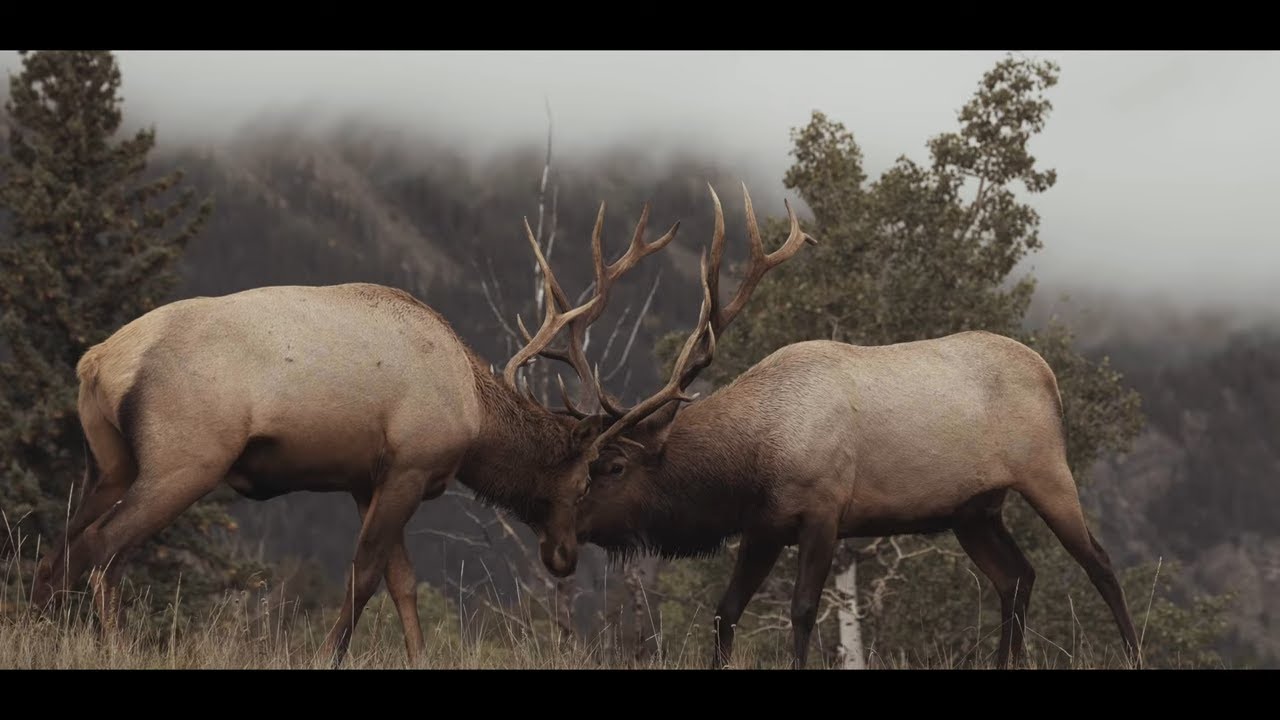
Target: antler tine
point(566, 352)
point(569, 407)
point(639, 249)
point(760, 261)
point(717, 254)
point(610, 403)
point(552, 323)
point(574, 353)
point(597, 250)
point(672, 391)
point(553, 320)
point(561, 354)
point(528, 388)
point(543, 265)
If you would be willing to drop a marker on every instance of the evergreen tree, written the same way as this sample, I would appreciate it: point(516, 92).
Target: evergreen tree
point(88, 242)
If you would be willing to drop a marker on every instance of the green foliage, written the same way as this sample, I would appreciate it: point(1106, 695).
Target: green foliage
point(90, 242)
point(922, 252)
point(914, 254)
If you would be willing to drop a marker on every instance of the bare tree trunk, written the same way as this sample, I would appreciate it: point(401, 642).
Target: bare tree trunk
point(639, 573)
point(852, 656)
point(566, 595)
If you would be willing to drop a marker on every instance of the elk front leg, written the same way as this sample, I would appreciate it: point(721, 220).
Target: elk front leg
point(383, 528)
point(756, 557)
point(818, 539)
point(404, 592)
point(402, 587)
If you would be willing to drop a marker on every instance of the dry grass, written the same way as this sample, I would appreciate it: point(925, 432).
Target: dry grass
point(233, 638)
point(240, 635)
point(262, 630)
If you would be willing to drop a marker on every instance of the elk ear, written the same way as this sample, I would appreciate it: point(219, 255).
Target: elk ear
point(658, 440)
point(587, 429)
point(664, 416)
point(658, 425)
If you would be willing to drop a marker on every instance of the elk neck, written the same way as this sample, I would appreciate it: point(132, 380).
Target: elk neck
point(519, 445)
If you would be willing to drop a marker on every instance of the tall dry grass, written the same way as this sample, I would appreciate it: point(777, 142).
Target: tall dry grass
point(237, 635)
point(274, 635)
point(265, 629)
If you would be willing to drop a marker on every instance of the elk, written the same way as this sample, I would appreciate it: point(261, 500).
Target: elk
point(822, 441)
point(354, 388)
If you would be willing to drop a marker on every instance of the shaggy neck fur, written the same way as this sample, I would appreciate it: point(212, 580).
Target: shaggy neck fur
point(520, 444)
point(708, 478)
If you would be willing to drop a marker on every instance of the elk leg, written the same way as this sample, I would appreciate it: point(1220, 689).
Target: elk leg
point(818, 540)
point(393, 504)
point(103, 488)
point(403, 589)
point(154, 501)
point(53, 575)
point(756, 557)
point(1058, 503)
point(988, 543)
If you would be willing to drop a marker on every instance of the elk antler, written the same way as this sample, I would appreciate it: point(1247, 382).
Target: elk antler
point(574, 353)
point(759, 263)
point(553, 321)
point(627, 418)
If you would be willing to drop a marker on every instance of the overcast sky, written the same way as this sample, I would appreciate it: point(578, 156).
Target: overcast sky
point(1168, 162)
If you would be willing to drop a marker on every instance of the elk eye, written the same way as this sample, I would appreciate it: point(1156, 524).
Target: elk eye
point(615, 469)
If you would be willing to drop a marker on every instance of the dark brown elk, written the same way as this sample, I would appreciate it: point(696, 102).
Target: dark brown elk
point(354, 388)
point(824, 440)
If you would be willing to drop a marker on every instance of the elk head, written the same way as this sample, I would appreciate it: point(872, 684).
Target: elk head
point(632, 447)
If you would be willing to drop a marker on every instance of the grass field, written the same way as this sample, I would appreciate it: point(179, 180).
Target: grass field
point(237, 636)
point(265, 629)
point(233, 637)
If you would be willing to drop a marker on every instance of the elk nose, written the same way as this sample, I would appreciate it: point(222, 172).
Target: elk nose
point(563, 561)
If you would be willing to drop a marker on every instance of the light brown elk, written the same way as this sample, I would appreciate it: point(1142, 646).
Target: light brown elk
point(354, 388)
point(824, 440)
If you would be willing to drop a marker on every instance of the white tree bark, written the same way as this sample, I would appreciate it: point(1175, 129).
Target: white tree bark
point(852, 656)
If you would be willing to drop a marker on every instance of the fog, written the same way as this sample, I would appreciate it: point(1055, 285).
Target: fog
point(1167, 161)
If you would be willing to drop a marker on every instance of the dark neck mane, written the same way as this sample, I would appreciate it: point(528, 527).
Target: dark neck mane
point(519, 442)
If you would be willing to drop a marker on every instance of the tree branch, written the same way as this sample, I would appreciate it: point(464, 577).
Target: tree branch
point(644, 310)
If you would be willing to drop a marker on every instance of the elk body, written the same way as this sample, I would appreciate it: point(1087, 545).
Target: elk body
point(354, 388)
point(824, 440)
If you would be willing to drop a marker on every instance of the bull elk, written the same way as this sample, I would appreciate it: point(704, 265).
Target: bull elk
point(354, 388)
point(823, 440)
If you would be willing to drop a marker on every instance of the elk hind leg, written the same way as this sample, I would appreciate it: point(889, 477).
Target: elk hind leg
point(154, 501)
point(1057, 501)
point(988, 543)
point(110, 470)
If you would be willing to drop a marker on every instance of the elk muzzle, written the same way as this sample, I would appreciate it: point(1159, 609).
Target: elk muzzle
point(561, 558)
